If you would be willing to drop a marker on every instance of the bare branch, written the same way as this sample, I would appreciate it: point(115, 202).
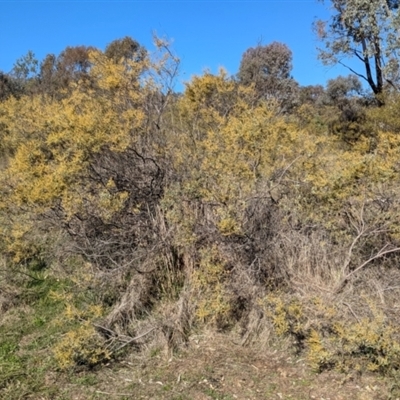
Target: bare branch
point(131, 340)
point(353, 71)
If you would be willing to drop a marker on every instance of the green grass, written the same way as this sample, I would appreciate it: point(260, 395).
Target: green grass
point(217, 396)
point(27, 334)
point(85, 380)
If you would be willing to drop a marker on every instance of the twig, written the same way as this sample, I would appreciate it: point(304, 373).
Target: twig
point(389, 288)
point(105, 329)
point(351, 310)
point(283, 174)
point(113, 394)
point(23, 273)
point(135, 338)
point(380, 254)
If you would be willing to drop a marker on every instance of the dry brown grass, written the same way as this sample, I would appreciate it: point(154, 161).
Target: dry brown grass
point(214, 366)
point(274, 283)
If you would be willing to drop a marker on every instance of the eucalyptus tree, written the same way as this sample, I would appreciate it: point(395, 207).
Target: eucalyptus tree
point(269, 68)
point(366, 30)
point(125, 48)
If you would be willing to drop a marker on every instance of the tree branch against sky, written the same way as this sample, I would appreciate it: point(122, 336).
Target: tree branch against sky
point(365, 30)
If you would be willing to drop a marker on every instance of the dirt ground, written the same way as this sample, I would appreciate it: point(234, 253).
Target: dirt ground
point(217, 368)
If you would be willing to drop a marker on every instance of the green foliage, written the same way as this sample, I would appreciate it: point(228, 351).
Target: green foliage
point(49, 310)
point(366, 30)
point(268, 69)
point(26, 334)
point(25, 74)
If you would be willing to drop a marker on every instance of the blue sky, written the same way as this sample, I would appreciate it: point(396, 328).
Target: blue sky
point(205, 34)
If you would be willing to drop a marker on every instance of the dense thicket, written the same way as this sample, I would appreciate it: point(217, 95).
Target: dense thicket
point(220, 206)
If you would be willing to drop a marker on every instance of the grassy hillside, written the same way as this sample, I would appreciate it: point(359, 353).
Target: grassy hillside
point(139, 225)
